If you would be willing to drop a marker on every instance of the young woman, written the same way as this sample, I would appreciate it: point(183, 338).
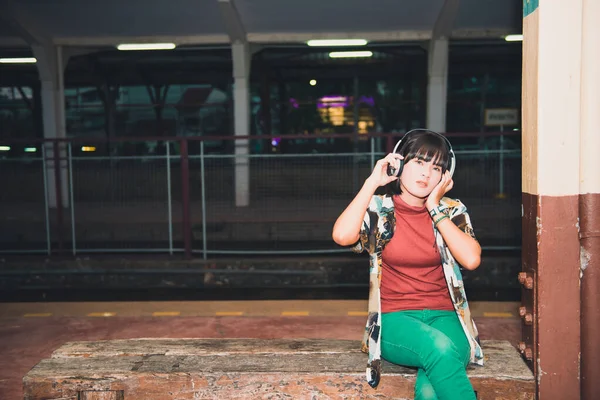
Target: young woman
point(416, 239)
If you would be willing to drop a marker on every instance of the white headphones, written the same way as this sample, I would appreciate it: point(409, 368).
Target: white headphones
point(392, 171)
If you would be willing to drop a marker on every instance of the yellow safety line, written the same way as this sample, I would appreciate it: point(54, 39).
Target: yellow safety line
point(357, 313)
point(45, 314)
point(229, 313)
point(294, 314)
point(102, 314)
point(498, 314)
point(166, 313)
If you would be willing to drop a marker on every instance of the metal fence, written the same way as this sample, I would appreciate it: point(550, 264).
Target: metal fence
point(184, 197)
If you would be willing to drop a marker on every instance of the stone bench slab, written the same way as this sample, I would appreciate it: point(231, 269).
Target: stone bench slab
point(176, 369)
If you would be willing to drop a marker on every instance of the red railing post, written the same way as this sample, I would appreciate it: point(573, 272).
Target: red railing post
point(185, 199)
point(58, 190)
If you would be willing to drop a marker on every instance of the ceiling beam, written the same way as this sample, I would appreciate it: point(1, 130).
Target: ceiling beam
point(303, 37)
point(233, 21)
point(109, 42)
point(381, 36)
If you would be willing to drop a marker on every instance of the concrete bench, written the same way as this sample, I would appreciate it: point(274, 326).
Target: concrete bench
point(177, 369)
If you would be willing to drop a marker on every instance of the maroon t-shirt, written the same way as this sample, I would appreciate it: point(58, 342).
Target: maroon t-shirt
point(412, 275)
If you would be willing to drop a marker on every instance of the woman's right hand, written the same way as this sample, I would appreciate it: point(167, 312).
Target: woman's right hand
point(346, 230)
point(379, 175)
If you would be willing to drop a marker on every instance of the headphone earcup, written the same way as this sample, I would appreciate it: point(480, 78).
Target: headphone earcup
point(391, 171)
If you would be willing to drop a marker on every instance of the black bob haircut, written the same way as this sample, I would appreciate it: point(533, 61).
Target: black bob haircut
point(424, 145)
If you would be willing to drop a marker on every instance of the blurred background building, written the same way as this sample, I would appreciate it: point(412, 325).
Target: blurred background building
point(222, 128)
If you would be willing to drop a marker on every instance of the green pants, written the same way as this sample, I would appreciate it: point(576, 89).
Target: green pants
point(435, 343)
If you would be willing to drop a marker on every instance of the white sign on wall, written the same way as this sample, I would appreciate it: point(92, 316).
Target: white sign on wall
point(501, 116)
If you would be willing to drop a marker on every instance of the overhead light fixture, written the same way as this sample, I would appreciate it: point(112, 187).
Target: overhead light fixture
point(4, 148)
point(18, 60)
point(350, 54)
point(88, 148)
point(312, 82)
point(513, 38)
point(146, 46)
point(30, 149)
point(337, 42)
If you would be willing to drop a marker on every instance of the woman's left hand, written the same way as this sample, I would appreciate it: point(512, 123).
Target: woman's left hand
point(445, 185)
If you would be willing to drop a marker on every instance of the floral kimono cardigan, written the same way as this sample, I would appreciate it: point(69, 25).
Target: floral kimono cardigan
point(376, 231)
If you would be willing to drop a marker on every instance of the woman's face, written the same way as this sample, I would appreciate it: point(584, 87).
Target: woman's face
point(420, 177)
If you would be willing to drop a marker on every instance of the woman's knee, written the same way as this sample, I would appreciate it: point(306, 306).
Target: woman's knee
point(443, 349)
point(425, 391)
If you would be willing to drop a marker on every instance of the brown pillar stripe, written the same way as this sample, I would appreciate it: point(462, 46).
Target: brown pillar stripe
point(551, 251)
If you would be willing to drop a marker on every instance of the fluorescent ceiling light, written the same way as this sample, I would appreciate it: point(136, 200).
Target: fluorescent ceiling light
point(30, 149)
point(350, 54)
point(338, 42)
point(146, 46)
point(18, 60)
point(514, 38)
point(4, 148)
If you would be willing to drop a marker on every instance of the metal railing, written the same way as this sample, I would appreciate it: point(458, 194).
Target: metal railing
point(186, 197)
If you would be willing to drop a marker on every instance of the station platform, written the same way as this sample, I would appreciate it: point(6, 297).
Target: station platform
point(30, 332)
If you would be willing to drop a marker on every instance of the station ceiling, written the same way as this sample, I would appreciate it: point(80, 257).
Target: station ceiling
point(277, 31)
point(208, 22)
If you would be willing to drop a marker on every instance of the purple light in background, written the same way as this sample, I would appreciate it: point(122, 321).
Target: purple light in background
point(332, 101)
point(343, 101)
point(294, 102)
point(326, 105)
point(275, 141)
point(367, 100)
point(333, 97)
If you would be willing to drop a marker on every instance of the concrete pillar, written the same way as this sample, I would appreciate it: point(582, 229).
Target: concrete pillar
point(551, 101)
point(437, 84)
point(241, 111)
point(50, 64)
point(589, 201)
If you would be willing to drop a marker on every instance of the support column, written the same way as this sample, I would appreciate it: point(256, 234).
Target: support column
point(589, 201)
point(241, 111)
point(551, 171)
point(437, 84)
point(50, 64)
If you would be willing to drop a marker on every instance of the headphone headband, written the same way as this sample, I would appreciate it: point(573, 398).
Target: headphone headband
point(451, 151)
